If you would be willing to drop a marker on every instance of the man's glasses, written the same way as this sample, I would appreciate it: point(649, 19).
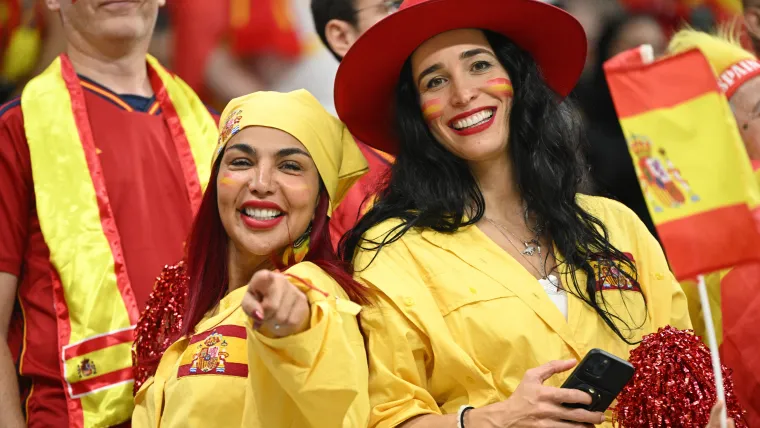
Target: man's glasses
point(388, 6)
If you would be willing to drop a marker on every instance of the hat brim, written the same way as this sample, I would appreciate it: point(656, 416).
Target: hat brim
point(367, 77)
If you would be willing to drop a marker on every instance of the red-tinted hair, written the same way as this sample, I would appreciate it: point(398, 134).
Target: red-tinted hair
point(207, 249)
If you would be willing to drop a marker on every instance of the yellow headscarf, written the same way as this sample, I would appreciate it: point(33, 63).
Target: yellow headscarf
point(338, 159)
point(731, 63)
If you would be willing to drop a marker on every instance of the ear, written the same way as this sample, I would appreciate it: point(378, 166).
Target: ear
point(54, 5)
point(340, 36)
point(752, 21)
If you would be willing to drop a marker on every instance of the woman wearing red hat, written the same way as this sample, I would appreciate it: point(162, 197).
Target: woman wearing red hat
point(492, 272)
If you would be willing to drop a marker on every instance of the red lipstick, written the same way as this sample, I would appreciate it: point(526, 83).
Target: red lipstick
point(475, 129)
point(260, 224)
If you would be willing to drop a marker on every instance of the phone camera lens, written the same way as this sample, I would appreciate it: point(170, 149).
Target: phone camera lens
point(597, 367)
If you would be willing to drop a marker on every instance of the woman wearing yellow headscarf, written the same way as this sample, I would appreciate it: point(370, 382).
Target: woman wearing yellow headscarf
point(257, 347)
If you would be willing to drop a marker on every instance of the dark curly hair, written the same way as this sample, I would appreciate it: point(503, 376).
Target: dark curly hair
point(429, 187)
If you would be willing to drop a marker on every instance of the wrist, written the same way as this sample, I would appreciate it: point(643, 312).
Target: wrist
point(479, 417)
point(462, 414)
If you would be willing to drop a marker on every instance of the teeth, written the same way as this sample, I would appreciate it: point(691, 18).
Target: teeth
point(473, 120)
point(261, 214)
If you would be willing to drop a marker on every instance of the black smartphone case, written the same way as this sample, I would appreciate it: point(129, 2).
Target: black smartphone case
point(601, 375)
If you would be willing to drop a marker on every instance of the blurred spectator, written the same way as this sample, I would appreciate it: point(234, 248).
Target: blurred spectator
point(339, 24)
point(752, 22)
point(592, 14)
point(704, 15)
point(228, 48)
point(31, 36)
point(611, 164)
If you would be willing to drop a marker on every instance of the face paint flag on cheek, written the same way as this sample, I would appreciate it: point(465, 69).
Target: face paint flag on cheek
point(500, 87)
point(226, 180)
point(432, 109)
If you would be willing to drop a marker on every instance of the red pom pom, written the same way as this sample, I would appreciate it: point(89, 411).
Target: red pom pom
point(674, 384)
point(160, 323)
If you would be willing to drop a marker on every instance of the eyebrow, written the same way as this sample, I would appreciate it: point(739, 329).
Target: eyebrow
point(430, 70)
point(250, 151)
point(292, 151)
point(245, 148)
point(474, 52)
point(464, 55)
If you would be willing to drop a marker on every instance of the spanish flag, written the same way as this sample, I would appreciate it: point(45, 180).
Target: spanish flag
point(692, 166)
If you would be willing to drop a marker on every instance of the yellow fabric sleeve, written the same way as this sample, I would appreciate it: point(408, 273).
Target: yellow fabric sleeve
point(144, 412)
point(400, 355)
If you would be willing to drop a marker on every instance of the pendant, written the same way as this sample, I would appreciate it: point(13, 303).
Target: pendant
point(531, 248)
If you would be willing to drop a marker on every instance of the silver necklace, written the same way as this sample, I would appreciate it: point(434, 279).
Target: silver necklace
point(532, 246)
point(549, 282)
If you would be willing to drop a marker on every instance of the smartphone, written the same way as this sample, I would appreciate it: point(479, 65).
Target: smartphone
point(602, 376)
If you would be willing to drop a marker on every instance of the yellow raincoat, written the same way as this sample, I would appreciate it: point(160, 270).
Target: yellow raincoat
point(459, 321)
point(229, 375)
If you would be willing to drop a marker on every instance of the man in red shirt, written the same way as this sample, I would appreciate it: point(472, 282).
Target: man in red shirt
point(339, 24)
point(103, 161)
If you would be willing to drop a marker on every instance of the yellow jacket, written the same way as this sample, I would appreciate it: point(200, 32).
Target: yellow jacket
point(459, 321)
point(229, 375)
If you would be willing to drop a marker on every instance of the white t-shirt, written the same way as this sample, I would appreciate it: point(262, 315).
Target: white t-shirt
point(556, 294)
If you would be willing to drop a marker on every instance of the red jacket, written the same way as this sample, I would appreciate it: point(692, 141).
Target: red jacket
point(352, 208)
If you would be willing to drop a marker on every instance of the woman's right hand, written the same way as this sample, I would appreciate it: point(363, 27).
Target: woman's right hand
point(278, 307)
point(535, 405)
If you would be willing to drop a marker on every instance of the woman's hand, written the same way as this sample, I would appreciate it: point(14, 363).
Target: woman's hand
point(714, 421)
point(535, 405)
point(278, 307)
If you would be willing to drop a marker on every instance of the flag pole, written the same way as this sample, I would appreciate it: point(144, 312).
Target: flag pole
point(713, 344)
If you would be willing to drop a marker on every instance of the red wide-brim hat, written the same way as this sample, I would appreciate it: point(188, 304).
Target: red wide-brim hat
point(367, 77)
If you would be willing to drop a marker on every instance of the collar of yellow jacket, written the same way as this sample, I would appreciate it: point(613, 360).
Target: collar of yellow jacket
point(731, 63)
point(338, 159)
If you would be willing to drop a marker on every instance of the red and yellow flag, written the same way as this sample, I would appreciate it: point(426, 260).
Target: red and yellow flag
point(692, 165)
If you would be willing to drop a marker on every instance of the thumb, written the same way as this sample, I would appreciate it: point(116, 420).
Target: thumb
point(545, 371)
point(715, 415)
